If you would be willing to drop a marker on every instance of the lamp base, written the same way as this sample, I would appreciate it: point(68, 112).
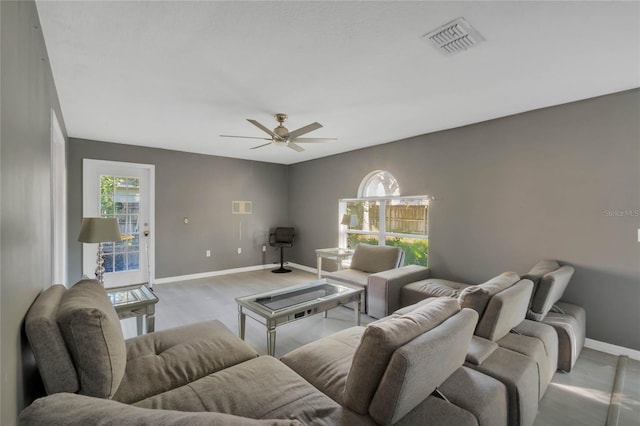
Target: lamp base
point(100, 268)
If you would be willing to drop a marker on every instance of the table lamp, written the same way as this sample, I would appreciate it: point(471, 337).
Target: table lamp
point(351, 220)
point(99, 230)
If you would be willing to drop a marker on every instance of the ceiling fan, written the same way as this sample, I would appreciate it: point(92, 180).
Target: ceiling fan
point(282, 136)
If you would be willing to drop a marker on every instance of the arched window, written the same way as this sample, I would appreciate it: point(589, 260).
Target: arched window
point(379, 183)
point(381, 216)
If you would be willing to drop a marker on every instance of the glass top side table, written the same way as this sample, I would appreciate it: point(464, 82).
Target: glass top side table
point(135, 300)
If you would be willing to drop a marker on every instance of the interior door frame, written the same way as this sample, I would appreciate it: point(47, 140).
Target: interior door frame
point(89, 166)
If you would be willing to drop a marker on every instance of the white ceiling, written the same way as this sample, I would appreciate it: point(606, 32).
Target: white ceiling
point(178, 74)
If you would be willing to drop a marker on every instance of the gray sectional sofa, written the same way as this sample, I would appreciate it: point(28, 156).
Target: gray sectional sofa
point(524, 334)
point(405, 369)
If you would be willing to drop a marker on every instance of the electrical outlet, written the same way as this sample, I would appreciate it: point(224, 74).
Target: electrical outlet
point(208, 253)
point(239, 250)
point(264, 248)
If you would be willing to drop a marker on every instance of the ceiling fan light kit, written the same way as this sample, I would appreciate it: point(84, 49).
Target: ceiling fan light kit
point(280, 136)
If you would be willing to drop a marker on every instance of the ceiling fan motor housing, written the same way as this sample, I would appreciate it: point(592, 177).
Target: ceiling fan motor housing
point(281, 131)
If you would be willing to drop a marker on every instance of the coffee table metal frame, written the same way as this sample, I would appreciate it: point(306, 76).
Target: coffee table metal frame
point(271, 318)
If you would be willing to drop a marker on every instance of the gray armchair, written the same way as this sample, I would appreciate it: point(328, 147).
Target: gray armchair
point(367, 260)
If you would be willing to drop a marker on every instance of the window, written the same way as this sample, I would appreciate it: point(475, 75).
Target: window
point(381, 216)
point(120, 198)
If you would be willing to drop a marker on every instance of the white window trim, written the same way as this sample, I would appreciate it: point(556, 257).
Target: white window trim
point(382, 234)
point(58, 203)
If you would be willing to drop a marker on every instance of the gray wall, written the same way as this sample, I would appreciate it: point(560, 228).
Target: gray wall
point(200, 187)
point(544, 184)
point(28, 94)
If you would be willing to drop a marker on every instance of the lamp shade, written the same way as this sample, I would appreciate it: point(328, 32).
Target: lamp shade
point(349, 220)
point(99, 230)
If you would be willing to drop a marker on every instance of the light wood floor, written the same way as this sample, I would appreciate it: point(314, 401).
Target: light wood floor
point(578, 398)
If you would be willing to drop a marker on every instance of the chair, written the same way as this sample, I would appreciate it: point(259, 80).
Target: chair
point(367, 261)
point(282, 237)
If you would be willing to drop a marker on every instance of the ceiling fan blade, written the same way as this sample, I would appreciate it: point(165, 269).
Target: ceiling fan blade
point(263, 128)
point(244, 137)
point(295, 147)
point(260, 146)
point(315, 140)
point(303, 130)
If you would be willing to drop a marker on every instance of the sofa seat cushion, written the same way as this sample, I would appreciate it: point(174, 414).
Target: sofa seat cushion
point(349, 276)
point(325, 363)
point(49, 349)
point(414, 292)
point(437, 411)
point(534, 349)
point(519, 373)
point(434, 287)
point(168, 359)
point(260, 388)
point(77, 410)
point(91, 330)
point(479, 394)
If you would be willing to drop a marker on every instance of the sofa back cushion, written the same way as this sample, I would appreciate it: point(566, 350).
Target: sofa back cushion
point(476, 297)
point(504, 311)
point(549, 290)
point(54, 361)
point(91, 329)
point(378, 343)
point(417, 368)
point(539, 270)
point(372, 259)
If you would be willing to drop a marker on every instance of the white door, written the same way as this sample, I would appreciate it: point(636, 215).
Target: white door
point(124, 191)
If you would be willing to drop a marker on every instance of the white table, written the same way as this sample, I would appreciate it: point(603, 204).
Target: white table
point(337, 254)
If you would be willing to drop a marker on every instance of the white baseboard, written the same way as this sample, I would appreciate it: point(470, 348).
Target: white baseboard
point(611, 349)
point(227, 272)
point(210, 274)
point(303, 268)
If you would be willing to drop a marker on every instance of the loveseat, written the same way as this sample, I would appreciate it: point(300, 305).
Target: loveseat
point(204, 374)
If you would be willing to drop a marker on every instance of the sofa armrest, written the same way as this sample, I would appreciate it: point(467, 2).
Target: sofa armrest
point(383, 288)
point(78, 410)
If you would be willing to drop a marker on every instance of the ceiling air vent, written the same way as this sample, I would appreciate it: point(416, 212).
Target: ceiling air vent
point(456, 36)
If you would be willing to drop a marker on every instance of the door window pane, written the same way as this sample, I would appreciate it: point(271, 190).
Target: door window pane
point(120, 198)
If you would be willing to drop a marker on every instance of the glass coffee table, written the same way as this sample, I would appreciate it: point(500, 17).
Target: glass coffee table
point(277, 307)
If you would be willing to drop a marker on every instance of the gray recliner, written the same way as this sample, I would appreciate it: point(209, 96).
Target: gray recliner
point(368, 260)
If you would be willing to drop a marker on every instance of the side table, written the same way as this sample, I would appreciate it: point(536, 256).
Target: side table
point(337, 254)
point(135, 301)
